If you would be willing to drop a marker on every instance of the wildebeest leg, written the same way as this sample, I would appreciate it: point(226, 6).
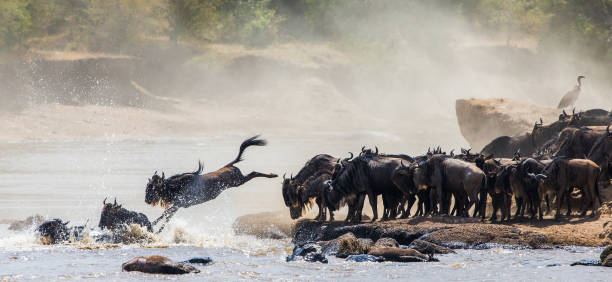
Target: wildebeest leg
point(320, 206)
point(560, 194)
point(254, 174)
point(374, 204)
point(519, 203)
point(359, 208)
point(547, 200)
point(406, 213)
point(331, 215)
point(171, 211)
point(569, 205)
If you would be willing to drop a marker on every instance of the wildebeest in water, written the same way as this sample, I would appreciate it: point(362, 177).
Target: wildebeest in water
point(114, 216)
point(193, 188)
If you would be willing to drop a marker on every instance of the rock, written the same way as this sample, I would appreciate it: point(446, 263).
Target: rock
point(400, 255)
point(348, 245)
point(309, 252)
point(607, 262)
point(386, 242)
point(272, 225)
point(199, 260)
point(429, 248)
point(605, 253)
point(482, 120)
point(587, 262)
point(53, 232)
point(20, 225)
point(364, 258)
point(158, 265)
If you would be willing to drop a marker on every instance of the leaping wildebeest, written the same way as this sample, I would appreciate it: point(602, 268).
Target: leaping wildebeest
point(193, 188)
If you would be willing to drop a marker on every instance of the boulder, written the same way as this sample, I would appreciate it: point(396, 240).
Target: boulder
point(386, 242)
point(400, 255)
point(364, 258)
point(309, 252)
point(348, 245)
point(429, 248)
point(607, 262)
point(157, 265)
point(272, 225)
point(30, 221)
point(605, 253)
point(482, 120)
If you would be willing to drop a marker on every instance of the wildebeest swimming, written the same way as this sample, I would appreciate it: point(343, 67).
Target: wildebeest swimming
point(193, 188)
point(114, 216)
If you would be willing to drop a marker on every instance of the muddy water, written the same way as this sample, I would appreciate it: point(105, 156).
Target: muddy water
point(69, 180)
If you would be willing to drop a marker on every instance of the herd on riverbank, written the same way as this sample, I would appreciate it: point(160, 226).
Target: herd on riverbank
point(570, 168)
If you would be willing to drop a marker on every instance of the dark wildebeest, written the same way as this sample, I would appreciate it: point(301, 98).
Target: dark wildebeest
point(192, 188)
point(577, 142)
point(315, 188)
point(507, 146)
point(318, 164)
point(564, 174)
point(53, 232)
point(411, 179)
point(114, 217)
point(601, 154)
point(463, 180)
point(365, 175)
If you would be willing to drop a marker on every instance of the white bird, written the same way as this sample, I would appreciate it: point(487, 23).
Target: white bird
point(571, 96)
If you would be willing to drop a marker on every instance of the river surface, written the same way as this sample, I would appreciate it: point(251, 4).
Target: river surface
point(70, 179)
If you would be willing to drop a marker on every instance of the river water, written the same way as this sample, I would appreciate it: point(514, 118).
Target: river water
point(70, 179)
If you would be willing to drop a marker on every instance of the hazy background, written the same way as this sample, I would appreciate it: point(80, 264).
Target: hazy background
point(314, 76)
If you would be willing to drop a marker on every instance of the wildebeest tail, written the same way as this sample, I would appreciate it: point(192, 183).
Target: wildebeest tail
point(253, 141)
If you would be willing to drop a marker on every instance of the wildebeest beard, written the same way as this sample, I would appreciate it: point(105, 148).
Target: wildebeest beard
point(351, 180)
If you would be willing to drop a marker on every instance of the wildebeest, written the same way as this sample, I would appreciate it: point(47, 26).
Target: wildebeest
point(114, 216)
point(507, 146)
point(314, 188)
point(463, 180)
point(575, 142)
point(54, 232)
point(563, 174)
point(367, 174)
point(601, 154)
point(193, 188)
point(321, 163)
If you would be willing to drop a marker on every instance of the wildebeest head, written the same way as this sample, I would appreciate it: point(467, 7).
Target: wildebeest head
point(403, 178)
point(291, 197)
point(107, 217)
point(155, 189)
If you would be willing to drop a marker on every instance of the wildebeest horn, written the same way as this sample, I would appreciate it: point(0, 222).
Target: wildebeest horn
point(155, 173)
point(291, 176)
point(362, 149)
point(104, 202)
point(115, 201)
point(468, 151)
point(541, 121)
point(163, 175)
point(284, 174)
point(574, 111)
point(428, 150)
point(452, 152)
point(66, 223)
point(349, 158)
point(376, 153)
point(402, 164)
point(564, 113)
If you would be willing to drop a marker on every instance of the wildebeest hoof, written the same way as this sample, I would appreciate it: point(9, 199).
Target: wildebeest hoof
point(157, 265)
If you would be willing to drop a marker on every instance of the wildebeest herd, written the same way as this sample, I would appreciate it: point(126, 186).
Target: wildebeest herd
point(563, 163)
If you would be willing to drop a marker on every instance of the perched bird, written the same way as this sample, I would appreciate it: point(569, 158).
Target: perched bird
point(571, 96)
